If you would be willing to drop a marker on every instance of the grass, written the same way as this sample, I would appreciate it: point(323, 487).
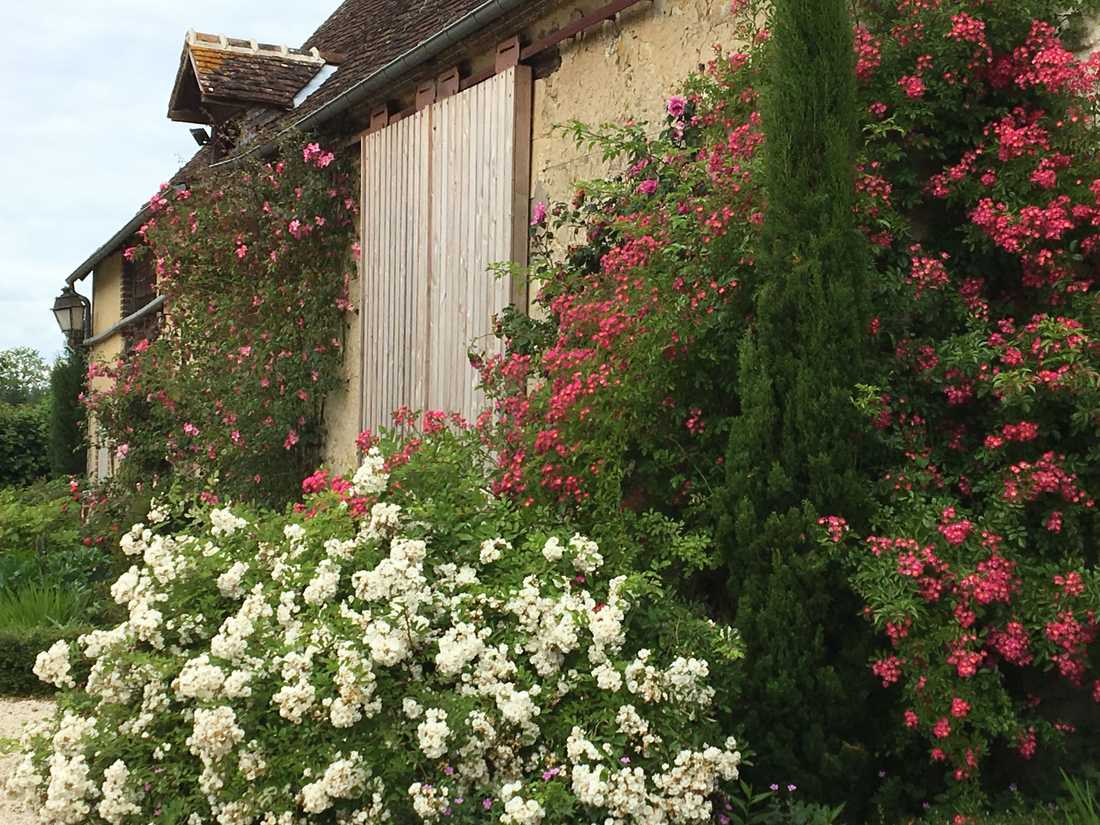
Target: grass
point(1082, 807)
point(35, 605)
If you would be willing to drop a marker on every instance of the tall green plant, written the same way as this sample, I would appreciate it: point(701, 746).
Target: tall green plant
point(66, 443)
point(793, 451)
point(23, 376)
point(22, 443)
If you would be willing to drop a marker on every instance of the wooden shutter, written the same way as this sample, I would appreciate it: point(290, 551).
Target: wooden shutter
point(445, 196)
point(396, 268)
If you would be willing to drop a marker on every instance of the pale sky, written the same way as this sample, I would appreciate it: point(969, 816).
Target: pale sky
point(84, 87)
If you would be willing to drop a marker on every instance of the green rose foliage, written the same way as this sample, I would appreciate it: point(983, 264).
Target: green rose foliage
point(976, 196)
point(256, 264)
point(402, 646)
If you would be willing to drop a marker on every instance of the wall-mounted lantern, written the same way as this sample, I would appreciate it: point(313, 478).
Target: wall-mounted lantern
point(74, 314)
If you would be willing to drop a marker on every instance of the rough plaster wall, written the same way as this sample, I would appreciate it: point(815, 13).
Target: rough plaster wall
point(617, 72)
point(1092, 36)
point(342, 411)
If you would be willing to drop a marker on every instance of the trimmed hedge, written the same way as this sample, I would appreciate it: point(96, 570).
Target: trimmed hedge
point(24, 433)
point(19, 649)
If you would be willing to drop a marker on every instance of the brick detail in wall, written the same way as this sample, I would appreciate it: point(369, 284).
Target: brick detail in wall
point(138, 288)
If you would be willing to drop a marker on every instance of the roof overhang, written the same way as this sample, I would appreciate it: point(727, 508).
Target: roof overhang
point(235, 74)
point(478, 18)
point(108, 249)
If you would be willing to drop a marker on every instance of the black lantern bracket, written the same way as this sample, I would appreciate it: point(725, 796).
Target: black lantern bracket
point(74, 314)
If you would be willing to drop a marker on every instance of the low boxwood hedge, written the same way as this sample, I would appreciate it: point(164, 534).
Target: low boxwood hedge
point(18, 650)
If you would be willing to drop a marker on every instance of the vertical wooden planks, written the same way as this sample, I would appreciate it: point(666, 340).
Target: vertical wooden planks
point(445, 196)
point(481, 177)
point(394, 286)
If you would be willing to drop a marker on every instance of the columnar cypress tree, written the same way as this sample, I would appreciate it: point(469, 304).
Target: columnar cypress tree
point(66, 445)
point(794, 448)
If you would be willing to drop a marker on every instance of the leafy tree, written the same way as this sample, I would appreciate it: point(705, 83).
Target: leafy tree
point(66, 438)
point(24, 376)
point(22, 443)
point(793, 450)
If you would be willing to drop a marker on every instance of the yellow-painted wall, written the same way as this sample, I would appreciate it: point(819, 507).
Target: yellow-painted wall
point(106, 312)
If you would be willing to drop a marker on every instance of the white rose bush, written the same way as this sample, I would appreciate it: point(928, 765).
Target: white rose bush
point(400, 647)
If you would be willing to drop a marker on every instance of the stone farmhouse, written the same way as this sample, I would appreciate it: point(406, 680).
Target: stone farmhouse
point(450, 104)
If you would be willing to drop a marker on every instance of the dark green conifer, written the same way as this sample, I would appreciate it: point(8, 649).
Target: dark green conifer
point(794, 448)
point(66, 437)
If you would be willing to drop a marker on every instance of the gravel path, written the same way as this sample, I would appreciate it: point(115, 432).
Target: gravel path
point(14, 713)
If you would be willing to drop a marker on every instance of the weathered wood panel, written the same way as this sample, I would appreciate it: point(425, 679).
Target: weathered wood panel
point(481, 176)
point(445, 196)
point(395, 266)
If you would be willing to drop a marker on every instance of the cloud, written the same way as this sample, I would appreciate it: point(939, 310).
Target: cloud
point(86, 86)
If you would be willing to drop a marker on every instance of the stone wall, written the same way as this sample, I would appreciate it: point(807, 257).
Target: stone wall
point(342, 409)
point(619, 71)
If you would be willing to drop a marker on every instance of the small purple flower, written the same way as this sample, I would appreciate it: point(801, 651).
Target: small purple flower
point(624, 760)
point(449, 771)
point(774, 786)
point(792, 788)
point(487, 803)
point(459, 800)
point(538, 214)
point(676, 106)
point(647, 187)
point(882, 774)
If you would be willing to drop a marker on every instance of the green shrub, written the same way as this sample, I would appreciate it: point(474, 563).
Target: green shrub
point(23, 438)
point(40, 540)
point(66, 443)
point(18, 650)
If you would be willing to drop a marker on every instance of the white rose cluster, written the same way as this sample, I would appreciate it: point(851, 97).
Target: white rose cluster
point(54, 667)
point(371, 477)
point(225, 522)
point(279, 678)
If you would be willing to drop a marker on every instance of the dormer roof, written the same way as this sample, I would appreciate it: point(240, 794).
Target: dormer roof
point(219, 72)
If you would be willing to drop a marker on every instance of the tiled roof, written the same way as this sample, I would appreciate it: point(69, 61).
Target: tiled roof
point(372, 33)
point(229, 70)
point(367, 34)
